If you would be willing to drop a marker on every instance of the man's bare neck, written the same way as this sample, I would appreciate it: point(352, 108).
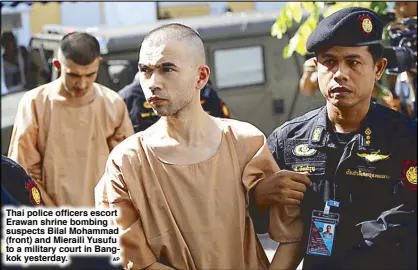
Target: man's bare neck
point(185, 140)
point(189, 129)
point(347, 119)
point(63, 95)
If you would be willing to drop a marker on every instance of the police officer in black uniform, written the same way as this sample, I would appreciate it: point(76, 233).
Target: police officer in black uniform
point(142, 115)
point(360, 156)
point(17, 188)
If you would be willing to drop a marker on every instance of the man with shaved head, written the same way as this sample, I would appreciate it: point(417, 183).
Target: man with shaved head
point(183, 186)
point(65, 130)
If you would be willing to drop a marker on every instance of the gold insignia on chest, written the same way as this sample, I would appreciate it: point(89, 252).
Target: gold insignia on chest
point(373, 157)
point(302, 150)
point(304, 169)
point(368, 131)
point(411, 175)
point(316, 135)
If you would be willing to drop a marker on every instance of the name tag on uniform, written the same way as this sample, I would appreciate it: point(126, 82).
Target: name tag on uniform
point(322, 231)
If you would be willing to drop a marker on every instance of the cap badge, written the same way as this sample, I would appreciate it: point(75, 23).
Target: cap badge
point(366, 24)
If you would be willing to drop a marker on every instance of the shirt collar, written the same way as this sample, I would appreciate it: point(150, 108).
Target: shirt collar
point(320, 132)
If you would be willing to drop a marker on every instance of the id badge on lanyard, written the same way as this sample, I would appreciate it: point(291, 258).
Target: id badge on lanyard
point(322, 230)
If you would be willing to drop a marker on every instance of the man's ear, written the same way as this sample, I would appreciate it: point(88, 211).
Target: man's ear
point(204, 73)
point(57, 64)
point(380, 67)
point(100, 59)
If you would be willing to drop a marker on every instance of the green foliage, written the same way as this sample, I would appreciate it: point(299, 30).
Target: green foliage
point(294, 11)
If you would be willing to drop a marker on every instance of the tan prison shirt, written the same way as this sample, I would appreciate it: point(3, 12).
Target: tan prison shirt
point(69, 143)
point(193, 216)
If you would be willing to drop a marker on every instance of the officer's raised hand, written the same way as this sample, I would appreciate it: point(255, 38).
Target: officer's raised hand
point(284, 187)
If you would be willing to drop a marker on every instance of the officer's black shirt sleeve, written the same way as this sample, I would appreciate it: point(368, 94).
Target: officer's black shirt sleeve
point(275, 145)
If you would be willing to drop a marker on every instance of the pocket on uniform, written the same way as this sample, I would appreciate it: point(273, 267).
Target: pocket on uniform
point(314, 194)
point(298, 151)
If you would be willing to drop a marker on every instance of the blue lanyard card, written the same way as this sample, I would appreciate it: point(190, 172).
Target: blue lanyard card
point(322, 233)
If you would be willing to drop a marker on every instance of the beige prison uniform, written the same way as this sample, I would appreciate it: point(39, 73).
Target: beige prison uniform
point(194, 216)
point(69, 143)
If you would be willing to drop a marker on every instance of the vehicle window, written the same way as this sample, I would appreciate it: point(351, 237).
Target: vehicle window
point(239, 67)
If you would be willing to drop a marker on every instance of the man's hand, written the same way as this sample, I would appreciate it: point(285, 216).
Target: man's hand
point(287, 256)
point(35, 172)
point(115, 140)
point(308, 83)
point(284, 187)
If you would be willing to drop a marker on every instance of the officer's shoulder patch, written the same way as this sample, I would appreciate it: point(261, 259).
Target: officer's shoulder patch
point(34, 193)
point(316, 134)
point(225, 110)
point(409, 174)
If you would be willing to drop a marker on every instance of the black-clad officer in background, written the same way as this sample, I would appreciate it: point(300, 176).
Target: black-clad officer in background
point(17, 188)
point(142, 115)
point(360, 156)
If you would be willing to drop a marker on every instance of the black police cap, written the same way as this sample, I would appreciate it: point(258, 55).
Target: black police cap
point(349, 27)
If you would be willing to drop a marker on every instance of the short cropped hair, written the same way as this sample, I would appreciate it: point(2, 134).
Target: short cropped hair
point(175, 31)
point(81, 48)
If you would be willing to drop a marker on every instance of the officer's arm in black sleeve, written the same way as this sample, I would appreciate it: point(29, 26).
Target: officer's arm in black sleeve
point(276, 147)
point(408, 191)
